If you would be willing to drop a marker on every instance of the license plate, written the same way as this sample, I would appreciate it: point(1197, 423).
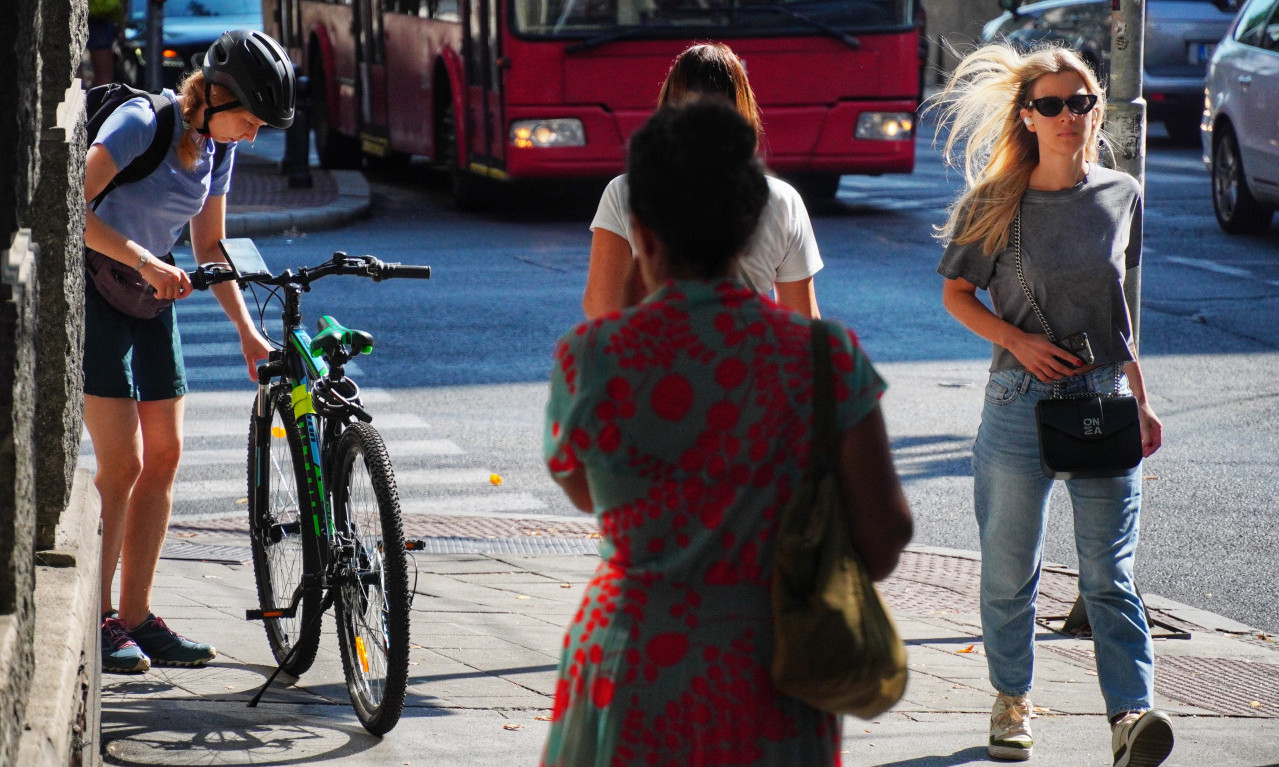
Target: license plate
point(1200, 53)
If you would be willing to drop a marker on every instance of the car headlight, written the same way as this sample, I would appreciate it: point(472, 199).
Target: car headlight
point(885, 126)
point(527, 134)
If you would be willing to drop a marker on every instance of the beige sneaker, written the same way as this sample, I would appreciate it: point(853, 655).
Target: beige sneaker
point(1010, 728)
point(1141, 739)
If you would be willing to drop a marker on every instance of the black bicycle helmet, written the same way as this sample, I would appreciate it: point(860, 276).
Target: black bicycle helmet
point(257, 70)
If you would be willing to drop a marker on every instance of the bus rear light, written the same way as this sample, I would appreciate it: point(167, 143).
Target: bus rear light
point(885, 126)
point(528, 134)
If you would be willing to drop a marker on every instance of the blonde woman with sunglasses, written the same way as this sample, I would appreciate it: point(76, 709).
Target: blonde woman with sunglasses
point(1026, 128)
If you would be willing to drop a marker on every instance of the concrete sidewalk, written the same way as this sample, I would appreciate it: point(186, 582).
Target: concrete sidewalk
point(494, 596)
point(487, 626)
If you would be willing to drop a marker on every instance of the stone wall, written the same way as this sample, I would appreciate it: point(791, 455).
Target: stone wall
point(49, 542)
point(19, 154)
point(57, 222)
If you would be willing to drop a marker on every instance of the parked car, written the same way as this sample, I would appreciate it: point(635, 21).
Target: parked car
point(190, 27)
point(1241, 120)
point(1180, 38)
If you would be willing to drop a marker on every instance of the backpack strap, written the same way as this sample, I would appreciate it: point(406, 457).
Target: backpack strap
point(145, 164)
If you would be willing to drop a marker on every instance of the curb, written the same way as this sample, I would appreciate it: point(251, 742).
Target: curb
point(352, 204)
point(63, 711)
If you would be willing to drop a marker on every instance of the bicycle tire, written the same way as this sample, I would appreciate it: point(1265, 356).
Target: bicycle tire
point(373, 608)
point(282, 537)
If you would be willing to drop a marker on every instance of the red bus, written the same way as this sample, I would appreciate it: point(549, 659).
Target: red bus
point(552, 89)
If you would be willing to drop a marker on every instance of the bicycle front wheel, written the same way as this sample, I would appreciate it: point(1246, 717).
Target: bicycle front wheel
point(282, 534)
point(373, 600)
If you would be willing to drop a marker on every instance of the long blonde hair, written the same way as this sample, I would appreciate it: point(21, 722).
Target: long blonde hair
point(192, 92)
point(980, 107)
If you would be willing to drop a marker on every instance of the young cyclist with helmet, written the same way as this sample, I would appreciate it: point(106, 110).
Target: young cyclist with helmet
point(134, 378)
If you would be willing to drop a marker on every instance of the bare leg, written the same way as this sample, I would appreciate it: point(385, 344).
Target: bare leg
point(103, 66)
point(138, 446)
point(147, 519)
point(117, 444)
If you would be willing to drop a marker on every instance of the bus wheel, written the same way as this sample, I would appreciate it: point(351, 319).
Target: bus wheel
point(816, 187)
point(470, 192)
point(334, 149)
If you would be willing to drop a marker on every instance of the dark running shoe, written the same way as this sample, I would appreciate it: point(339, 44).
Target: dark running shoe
point(167, 648)
point(120, 654)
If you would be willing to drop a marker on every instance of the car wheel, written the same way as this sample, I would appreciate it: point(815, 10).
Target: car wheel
point(1237, 210)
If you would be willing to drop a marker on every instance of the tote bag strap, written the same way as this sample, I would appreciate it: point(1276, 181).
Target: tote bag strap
point(823, 400)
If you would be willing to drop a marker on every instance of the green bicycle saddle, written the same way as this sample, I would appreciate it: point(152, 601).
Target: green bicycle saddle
point(332, 336)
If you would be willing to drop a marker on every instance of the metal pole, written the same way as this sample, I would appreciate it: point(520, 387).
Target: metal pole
point(1126, 115)
point(1126, 124)
point(155, 45)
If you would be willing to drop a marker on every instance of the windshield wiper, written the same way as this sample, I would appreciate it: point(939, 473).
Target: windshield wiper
point(838, 34)
point(610, 37)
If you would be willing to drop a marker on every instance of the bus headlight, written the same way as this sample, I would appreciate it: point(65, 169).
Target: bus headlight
point(885, 126)
point(527, 134)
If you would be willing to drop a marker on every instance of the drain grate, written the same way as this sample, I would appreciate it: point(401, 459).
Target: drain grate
point(206, 552)
point(1223, 686)
point(529, 546)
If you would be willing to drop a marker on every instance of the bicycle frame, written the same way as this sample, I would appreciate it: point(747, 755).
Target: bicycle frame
point(299, 367)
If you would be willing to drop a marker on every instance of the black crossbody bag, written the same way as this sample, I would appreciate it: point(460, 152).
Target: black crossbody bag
point(1084, 435)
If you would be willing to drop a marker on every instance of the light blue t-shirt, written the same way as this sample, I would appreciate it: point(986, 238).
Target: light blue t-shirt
point(153, 211)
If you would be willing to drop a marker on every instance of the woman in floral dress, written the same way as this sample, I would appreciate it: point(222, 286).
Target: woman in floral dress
point(684, 424)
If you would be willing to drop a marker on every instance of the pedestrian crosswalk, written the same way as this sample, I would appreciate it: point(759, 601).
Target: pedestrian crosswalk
point(433, 473)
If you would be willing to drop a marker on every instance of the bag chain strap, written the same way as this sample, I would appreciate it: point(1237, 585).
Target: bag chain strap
point(1021, 278)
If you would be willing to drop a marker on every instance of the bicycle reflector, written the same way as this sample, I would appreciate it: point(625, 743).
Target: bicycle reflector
point(363, 653)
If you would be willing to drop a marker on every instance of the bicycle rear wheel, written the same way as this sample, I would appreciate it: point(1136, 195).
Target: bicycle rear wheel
point(282, 534)
point(373, 597)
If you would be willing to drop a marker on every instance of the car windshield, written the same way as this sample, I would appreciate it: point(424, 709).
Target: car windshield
point(187, 9)
point(637, 19)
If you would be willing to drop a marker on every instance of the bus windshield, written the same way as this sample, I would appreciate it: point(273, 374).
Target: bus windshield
point(637, 19)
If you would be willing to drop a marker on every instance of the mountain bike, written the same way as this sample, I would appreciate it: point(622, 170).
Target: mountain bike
point(324, 514)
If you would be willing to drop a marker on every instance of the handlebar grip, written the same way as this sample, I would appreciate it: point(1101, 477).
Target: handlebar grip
point(206, 276)
point(409, 271)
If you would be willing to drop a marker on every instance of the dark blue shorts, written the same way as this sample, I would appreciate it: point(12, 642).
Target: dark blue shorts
point(125, 357)
point(101, 34)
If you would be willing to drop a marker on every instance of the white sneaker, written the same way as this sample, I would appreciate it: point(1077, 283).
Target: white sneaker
point(1010, 728)
point(1141, 739)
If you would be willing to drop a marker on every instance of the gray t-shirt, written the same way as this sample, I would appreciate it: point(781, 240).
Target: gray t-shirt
point(1077, 244)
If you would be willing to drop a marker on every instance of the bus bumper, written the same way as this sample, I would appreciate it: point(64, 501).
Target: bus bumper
point(797, 139)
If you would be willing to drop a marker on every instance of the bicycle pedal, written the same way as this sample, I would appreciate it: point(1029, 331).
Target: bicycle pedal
point(416, 545)
point(259, 615)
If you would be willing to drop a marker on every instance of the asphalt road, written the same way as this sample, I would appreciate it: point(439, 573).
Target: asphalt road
point(458, 375)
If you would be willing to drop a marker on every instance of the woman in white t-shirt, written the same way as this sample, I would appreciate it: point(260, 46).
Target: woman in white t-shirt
point(782, 256)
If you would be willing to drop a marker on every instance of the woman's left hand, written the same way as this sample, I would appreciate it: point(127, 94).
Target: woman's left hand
point(1152, 431)
point(255, 349)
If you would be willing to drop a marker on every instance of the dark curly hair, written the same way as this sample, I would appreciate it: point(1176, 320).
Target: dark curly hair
point(695, 181)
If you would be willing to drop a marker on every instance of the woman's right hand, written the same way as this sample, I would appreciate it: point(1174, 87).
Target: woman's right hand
point(169, 281)
point(1042, 358)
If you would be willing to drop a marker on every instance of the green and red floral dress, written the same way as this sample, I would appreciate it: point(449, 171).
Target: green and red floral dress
point(691, 415)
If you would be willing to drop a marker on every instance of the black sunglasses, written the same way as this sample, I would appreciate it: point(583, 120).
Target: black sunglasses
point(1050, 106)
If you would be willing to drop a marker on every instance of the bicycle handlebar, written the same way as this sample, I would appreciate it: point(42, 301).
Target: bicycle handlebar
point(206, 276)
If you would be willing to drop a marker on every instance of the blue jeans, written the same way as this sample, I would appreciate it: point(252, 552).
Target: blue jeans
point(1011, 498)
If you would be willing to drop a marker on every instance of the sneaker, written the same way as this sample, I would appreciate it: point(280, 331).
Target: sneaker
point(1010, 728)
point(167, 648)
point(1141, 739)
point(120, 654)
